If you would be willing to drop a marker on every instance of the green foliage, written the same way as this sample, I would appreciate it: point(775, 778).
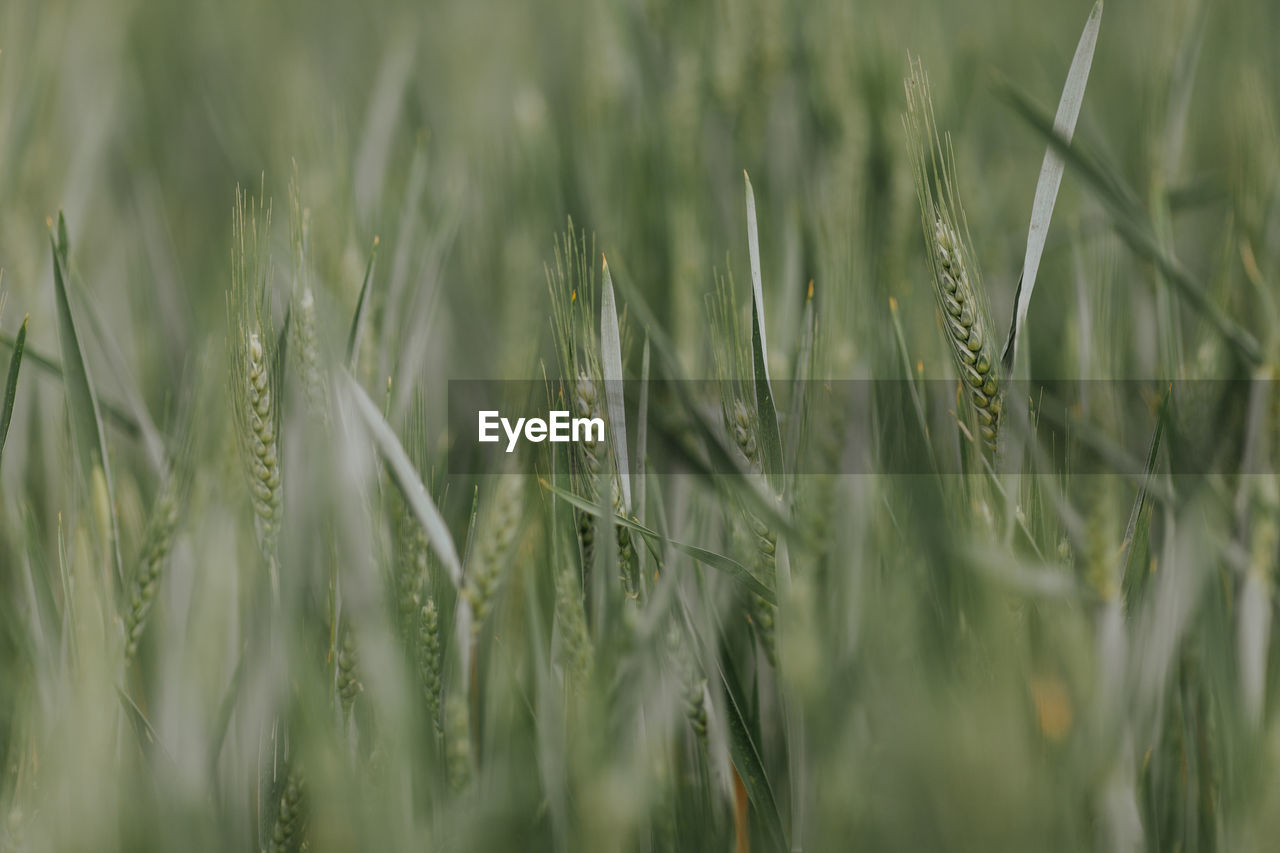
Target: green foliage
point(324, 636)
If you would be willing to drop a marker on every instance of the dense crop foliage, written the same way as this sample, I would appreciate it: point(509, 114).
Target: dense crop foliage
point(249, 600)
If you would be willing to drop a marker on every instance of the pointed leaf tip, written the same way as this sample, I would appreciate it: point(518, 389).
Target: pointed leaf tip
point(1050, 180)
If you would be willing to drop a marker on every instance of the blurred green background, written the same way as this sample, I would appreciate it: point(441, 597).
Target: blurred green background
point(942, 709)
point(635, 118)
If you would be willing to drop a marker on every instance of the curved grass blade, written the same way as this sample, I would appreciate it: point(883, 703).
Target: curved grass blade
point(611, 366)
point(747, 761)
point(362, 309)
point(419, 500)
point(82, 401)
point(730, 567)
point(11, 384)
point(1064, 124)
point(410, 484)
point(1134, 225)
point(769, 435)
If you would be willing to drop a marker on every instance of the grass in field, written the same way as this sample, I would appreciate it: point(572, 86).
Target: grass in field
point(245, 605)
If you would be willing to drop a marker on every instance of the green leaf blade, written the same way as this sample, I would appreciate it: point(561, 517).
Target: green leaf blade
point(746, 759)
point(611, 365)
point(770, 436)
point(362, 310)
point(1134, 226)
point(11, 384)
point(410, 484)
point(82, 399)
point(1051, 169)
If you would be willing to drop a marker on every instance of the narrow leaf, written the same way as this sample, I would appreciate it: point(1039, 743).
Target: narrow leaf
point(1064, 124)
point(82, 400)
point(611, 365)
point(410, 485)
point(768, 415)
point(11, 385)
point(753, 250)
point(747, 760)
point(1134, 225)
point(362, 309)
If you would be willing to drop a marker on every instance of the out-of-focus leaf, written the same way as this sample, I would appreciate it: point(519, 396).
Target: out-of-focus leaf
point(82, 400)
point(611, 365)
point(11, 384)
point(362, 310)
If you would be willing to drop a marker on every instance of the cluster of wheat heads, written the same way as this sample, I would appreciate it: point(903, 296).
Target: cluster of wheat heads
point(298, 629)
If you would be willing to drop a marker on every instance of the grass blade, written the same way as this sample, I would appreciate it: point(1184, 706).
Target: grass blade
point(730, 567)
point(424, 509)
point(82, 400)
point(362, 310)
point(410, 484)
point(1064, 124)
point(769, 435)
point(11, 384)
point(1134, 226)
point(611, 365)
point(746, 759)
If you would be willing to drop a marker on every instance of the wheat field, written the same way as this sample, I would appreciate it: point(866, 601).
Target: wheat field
point(933, 347)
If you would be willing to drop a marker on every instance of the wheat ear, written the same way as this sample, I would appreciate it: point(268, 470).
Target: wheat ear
point(155, 548)
point(957, 284)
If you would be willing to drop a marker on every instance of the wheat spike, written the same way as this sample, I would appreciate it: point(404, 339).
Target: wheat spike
point(498, 530)
point(252, 361)
point(286, 834)
point(142, 589)
point(577, 653)
point(457, 740)
point(956, 282)
point(431, 662)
